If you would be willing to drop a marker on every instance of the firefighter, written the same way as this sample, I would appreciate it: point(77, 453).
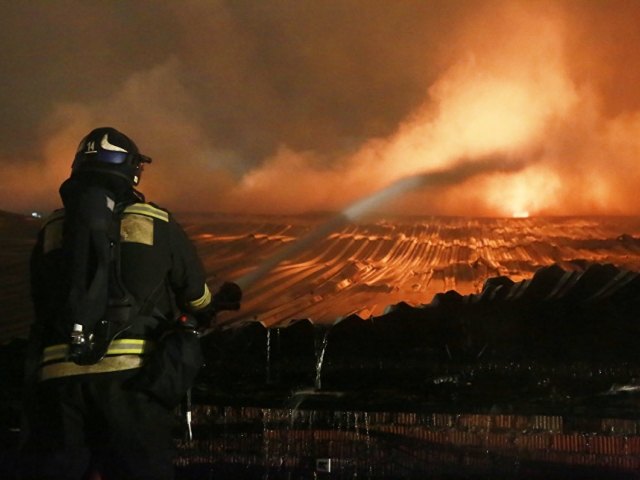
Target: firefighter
point(119, 294)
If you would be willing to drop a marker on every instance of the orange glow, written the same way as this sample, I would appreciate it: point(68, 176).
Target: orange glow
point(503, 100)
point(309, 127)
point(532, 191)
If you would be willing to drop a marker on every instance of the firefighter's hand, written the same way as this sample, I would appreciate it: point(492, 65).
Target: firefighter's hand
point(228, 297)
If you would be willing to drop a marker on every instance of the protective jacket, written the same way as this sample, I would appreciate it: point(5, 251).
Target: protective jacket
point(159, 267)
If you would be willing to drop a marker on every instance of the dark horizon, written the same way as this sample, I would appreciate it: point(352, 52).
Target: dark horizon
point(324, 215)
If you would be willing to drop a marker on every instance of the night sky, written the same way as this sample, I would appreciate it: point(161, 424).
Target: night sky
point(294, 106)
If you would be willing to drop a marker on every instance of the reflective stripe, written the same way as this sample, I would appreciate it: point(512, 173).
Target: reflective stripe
point(139, 208)
point(123, 346)
point(201, 302)
point(135, 228)
point(56, 352)
point(148, 210)
point(107, 364)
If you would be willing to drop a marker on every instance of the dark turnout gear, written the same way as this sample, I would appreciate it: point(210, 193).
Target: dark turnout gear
point(99, 425)
point(111, 275)
point(156, 259)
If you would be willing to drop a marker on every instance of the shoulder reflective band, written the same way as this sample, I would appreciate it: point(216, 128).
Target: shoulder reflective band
point(201, 302)
point(148, 210)
point(124, 346)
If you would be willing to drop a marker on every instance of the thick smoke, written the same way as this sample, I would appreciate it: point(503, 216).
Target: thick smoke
point(288, 106)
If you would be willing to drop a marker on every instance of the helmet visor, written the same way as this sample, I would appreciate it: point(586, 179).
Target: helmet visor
point(108, 156)
point(119, 160)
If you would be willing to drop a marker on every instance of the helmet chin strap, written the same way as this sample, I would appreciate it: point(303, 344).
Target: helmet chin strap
point(141, 160)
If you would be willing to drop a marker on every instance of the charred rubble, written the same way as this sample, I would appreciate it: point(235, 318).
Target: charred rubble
point(531, 379)
point(558, 338)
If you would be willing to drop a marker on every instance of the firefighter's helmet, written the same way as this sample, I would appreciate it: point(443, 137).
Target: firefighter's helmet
point(107, 150)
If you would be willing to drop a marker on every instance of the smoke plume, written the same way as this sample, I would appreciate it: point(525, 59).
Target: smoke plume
point(289, 107)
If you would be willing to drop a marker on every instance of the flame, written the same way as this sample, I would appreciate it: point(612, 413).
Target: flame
point(531, 191)
point(504, 99)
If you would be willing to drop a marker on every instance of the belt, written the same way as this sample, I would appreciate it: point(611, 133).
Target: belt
point(121, 346)
point(122, 354)
point(107, 364)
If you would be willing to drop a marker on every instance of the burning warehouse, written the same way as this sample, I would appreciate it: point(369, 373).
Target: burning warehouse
point(468, 304)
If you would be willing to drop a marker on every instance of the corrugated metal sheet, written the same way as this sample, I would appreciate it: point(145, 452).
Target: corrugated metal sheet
point(363, 267)
point(367, 266)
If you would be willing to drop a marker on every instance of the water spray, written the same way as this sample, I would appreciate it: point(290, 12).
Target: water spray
point(457, 173)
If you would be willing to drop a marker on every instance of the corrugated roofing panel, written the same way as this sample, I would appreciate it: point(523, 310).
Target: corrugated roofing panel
point(361, 267)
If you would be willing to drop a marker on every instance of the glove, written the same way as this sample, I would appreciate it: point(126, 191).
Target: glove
point(228, 297)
